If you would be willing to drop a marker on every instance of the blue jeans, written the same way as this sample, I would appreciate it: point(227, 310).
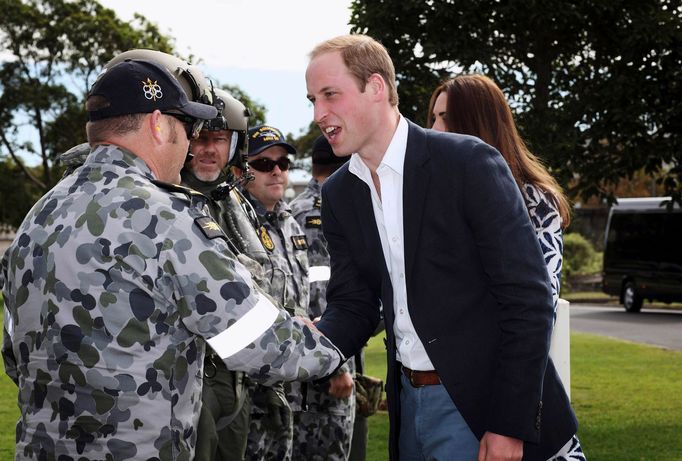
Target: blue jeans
point(431, 427)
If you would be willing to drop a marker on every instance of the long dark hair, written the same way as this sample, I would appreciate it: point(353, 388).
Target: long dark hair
point(476, 106)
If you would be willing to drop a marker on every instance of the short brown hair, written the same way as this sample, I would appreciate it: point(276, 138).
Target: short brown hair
point(101, 130)
point(363, 56)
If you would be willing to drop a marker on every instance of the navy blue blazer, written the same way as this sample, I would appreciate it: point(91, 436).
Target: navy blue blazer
point(477, 287)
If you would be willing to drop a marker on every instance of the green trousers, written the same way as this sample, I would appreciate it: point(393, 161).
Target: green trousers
point(358, 447)
point(223, 427)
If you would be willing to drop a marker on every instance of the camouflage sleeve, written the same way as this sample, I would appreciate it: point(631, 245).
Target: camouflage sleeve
point(7, 352)
point(8, 356)
point(309, 220)
point(74, 157)
point(345, 368)
point(217, 300)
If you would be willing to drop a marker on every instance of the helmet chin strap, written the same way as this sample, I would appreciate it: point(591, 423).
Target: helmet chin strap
point(190, 155)
point(233, 146)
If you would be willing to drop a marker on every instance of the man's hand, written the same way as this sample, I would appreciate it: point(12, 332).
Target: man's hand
point(309, 323)
point(495, 447)
point(341, 385)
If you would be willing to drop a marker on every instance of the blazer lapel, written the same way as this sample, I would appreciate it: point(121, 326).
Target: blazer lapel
point(416, 178)
point(367, 225)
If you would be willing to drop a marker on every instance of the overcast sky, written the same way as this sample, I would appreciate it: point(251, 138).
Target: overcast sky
point(260, 45)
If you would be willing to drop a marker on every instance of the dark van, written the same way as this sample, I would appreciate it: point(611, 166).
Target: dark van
point(643, 252)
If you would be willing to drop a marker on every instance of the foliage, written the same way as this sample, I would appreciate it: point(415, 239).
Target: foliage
point(304, 141)
point(258, 110)
point(55, 49)
point(595, 85)
point(18, 194)
point(580, 256)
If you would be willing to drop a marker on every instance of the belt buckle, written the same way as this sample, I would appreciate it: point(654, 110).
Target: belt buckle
point(410, 377)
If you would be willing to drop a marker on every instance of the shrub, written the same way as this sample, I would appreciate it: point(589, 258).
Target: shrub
point(580, 256)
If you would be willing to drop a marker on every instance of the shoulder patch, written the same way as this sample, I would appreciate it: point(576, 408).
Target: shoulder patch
point(300, 242)
point(177, 188)
point(265, 238)
point(210, 228)
point(313, 222)
point(317, 203)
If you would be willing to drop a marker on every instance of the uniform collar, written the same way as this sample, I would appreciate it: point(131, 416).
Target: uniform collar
point(205, 187)
point(314, 185)
point(281, 209)
point(110, 154)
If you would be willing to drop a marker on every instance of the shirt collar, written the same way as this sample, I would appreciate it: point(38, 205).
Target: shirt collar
point(394, 157)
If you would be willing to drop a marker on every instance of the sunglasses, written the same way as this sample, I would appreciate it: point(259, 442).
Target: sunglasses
point(266, 165)
point(192, 125)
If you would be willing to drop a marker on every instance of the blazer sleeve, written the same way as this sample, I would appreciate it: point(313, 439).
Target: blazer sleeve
point(353, 307)
point(517, 278)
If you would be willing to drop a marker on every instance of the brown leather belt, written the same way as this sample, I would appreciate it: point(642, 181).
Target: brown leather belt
point(421, 378)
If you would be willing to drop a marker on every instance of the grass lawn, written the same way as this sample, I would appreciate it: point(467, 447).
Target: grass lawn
point(628, 399)
point(9, 412)
point(587, 296)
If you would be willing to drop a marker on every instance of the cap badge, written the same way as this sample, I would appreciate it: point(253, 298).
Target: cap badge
point(152, 90)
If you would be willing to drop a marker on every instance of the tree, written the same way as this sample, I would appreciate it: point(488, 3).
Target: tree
point(594, 85)
point(257, 109)
point(304, 141)
point(56, 48)
point(18, 194)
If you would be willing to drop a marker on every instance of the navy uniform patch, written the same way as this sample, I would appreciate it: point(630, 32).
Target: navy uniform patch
point(300, 242)
point(317, 203)
point(210, 228)
point(178, 188)
point(265, 239)
point(313, 222)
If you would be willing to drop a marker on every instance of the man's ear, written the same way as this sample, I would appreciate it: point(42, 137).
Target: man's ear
point(154, 127)
point(376, 86)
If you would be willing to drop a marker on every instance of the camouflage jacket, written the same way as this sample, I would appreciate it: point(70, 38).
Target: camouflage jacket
point(306, 210)
point(235, 215)
point(287, 248)
point(112, 286)
point(288, 269)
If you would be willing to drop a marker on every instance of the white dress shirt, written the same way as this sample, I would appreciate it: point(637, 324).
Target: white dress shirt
point(388, 213)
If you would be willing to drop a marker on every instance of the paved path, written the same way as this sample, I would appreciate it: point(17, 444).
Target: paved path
point(650, 326)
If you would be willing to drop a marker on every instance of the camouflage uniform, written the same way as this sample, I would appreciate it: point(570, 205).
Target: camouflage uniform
point(112, 287)
point(226, 404)
point(238, 219)
point(288, 270)
point(325, 431)
point(287, 263)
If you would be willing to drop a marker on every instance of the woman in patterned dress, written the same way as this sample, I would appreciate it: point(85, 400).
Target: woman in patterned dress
point(475, 105)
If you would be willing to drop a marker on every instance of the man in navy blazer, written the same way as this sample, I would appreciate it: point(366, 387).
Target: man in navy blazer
point(432, 227)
